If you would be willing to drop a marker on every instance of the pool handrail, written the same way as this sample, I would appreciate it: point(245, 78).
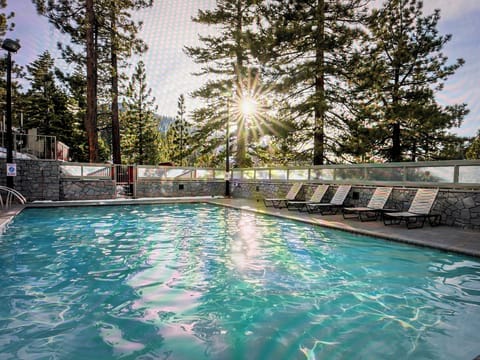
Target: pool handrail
point(11, 194)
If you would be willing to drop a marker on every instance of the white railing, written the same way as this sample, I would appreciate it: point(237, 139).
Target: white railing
point(86, 171)
point(174, 173)
point(141, 172)
point(461, 173)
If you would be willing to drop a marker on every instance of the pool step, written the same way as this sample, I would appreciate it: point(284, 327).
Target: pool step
point(124, 190)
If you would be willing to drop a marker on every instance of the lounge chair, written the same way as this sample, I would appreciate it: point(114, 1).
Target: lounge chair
point(374, 207)
point(316, 197)
point(418, 212)
point(334, 204)
point(282, 202)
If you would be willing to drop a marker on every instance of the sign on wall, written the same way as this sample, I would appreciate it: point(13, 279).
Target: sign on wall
point(11, 169)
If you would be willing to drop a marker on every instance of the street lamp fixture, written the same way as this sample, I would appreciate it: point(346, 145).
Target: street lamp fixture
point(10, 46)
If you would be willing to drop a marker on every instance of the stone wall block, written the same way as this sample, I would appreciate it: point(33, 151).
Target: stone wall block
point(468, 202)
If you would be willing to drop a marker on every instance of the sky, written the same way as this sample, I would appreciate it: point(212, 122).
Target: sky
point(168, 28)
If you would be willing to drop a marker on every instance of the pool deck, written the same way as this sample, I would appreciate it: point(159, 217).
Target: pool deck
point(441, 237)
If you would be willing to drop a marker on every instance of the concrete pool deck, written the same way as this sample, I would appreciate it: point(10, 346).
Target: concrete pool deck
point(441, 237)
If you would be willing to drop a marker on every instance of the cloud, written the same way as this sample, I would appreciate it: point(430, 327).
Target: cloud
point(451, 10)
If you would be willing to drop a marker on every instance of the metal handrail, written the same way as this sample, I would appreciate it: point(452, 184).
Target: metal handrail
point(11, 194)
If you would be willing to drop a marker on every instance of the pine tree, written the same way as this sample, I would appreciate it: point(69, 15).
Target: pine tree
point(103, 29)
point(228, 56)
point(48, 107)
point(473, 151)
point(398, 73)
point(305, 47)
point(180, 131)
point(140, 137)
point(120, 35)
point(77, 19)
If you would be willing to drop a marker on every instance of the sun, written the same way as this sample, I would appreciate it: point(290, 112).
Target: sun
point(248, 106)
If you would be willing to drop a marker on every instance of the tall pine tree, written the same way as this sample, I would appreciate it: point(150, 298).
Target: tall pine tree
point(305, 47)
point(400, 70)
point(102, 35)
point(140, 135)
point(180, 131)
point(227, 55)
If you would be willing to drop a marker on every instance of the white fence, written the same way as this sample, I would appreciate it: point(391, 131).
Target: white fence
point(464, 173)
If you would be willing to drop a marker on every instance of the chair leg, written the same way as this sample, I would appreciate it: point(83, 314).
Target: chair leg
point(434, 219)
point(392, 220)
point(369, 216)
point(420, 220)
point(350, 214)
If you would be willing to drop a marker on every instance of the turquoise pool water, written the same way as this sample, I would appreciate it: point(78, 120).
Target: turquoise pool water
point(204, 282)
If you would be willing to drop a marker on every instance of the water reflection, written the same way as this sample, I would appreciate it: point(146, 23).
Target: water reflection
point(176, 281)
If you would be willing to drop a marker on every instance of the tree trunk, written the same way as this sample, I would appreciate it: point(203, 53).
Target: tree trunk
point(396, 154)
point(318, 135)
point(91, 112)
point(116, 154)
point(241, 153)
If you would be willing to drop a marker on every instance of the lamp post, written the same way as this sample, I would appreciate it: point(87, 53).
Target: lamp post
point(227, 153)
point(11, 46)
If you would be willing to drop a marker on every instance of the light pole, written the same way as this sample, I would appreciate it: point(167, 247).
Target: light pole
point(11, 46)
point(227, 152)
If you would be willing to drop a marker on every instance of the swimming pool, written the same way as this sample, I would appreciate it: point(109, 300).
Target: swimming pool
point(195, 281)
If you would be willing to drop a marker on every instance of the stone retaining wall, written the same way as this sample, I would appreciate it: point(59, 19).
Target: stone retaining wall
point(73, 189)
point(167, 188)
point(457, 207)
point(36, 180)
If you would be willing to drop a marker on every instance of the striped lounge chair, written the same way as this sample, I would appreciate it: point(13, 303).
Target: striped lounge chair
point(334, 204)
point(418, 212)
point(374, 207)
point(316, 197)
point(282, 202)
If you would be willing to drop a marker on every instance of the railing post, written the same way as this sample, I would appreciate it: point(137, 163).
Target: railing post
point(456, 173)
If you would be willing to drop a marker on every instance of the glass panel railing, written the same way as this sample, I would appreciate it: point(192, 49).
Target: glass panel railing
point(262, 174)
point(346, 174)
point(71, 170)
point(248, 174)
point(298, 174)
point(278, 174)
point(431, 174)
point(219, 174)
point(150, 172)
point(469, 174)
point(179, 173)
point(86, 171)
point(385, 174)
point(236, 174)
point(96, 171)
point(447, 172)
point(322, 174)
point(204, 174)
